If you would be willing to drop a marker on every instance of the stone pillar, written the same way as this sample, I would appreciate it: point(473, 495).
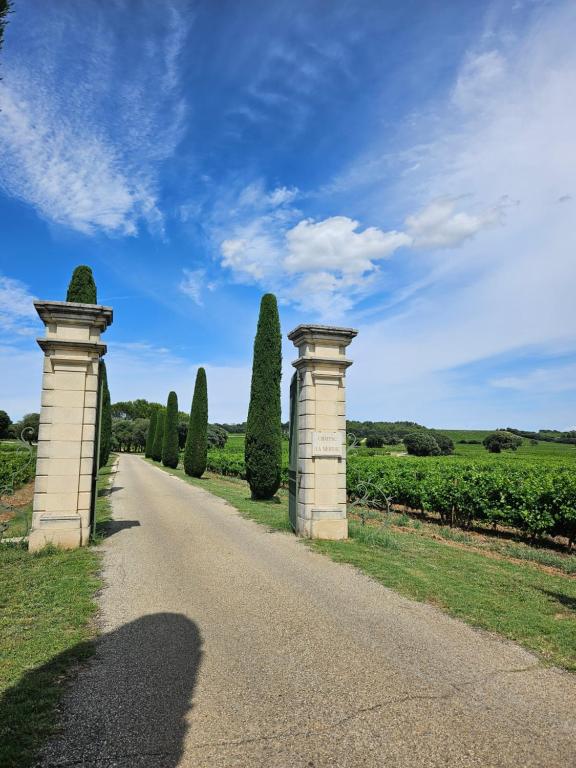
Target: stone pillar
point(66, 439)
point(321, 366)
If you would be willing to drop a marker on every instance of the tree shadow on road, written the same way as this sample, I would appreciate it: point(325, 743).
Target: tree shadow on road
point(125, 707)
point(108, 528)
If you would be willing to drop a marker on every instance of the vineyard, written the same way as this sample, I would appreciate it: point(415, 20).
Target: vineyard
point(15, 467)
point(534, 493)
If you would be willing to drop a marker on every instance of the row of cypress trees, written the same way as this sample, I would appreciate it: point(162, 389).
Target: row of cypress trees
point(263, 443)
point(162, 438)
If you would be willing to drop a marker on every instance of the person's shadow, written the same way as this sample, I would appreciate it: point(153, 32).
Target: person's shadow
point(128, 704)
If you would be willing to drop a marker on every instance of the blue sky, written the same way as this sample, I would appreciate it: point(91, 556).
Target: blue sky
point(406, 168)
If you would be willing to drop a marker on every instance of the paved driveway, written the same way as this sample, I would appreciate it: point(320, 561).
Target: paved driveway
point(226, 645)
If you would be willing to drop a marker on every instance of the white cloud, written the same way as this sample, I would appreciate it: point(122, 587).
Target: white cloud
point(194, 285)
point(17, 313)
point(440, 225)
point(508, 136)
point(336, 246)
point(252, 254)
point(83, 156)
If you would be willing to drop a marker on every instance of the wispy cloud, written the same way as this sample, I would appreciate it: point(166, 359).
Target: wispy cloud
point(195, 284)
point(87, 156)
point(17, 314)
point(541, 380)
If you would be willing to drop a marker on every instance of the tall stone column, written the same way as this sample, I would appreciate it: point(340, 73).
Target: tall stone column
point(321, 487)
point(67, 436)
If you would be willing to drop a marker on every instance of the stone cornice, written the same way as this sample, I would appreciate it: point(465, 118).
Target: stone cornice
point(67, 345)
point(312, 361)
point(314, 333)
point(66, 312)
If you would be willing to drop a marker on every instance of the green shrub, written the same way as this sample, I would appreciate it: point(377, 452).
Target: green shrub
point(421, 444)
point(373, 441)
point(151, 433)
point(170, 451)
point(82, 288)
point(263, 445)
point(445, 443)
point(217, 436)
point(158, 436)
point(501, 441)
point(195, 451)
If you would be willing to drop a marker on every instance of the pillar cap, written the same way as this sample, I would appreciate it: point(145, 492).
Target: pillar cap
point(310, 331)
point(74, 312)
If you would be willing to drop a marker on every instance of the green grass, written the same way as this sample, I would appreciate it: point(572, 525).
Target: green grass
point(19, 525)
point(46, 610)
point(519, 601)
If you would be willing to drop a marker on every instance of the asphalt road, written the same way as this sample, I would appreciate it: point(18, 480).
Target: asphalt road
point(226, 645)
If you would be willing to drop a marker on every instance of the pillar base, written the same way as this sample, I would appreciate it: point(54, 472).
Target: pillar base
point(64, 531)
point(324, 524)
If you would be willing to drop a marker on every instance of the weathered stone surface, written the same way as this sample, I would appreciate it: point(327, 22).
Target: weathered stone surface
point(322, 367)
point(63, 490)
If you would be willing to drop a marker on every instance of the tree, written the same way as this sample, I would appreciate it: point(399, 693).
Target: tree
point(4, 11)
point(5, 422)
point(263, 444)
point(196, 449)
point(501, 441)
point(158, 436)
point(82, 288)
point(373, 441)
point(170, 453)
point(421, 444)
point(31, 423)
point(217, 436)
point(105, 417)
point(151, 432)
point(134, 409)
point(445, 443)
point(183, 419)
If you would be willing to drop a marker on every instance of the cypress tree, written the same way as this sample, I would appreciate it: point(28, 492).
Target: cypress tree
point(196, 449)
point(263, 446)
point(158, 436)
point(4, 11)
point(82, 288)
point(170, 452)
point(151, 431)
point(105, 417)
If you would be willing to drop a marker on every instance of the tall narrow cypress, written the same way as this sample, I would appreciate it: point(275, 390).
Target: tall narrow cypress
point(151, 431)
point(263, 447)
point(82, 288)
point(196, 449)
point(105, 417)
point(158, 436)
point(170, 452)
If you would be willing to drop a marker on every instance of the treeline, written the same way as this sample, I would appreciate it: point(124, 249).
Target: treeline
point(546, 435)
point(391, 432)
point(129, 435)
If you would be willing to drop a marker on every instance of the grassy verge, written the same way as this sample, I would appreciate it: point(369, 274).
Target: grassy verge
point(46, 611)
point(520, 601)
